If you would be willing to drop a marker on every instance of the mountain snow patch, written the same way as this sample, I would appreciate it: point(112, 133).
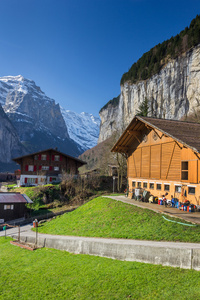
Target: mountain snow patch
point(83, 128)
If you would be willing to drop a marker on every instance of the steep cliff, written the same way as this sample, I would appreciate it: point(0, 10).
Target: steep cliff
point(9, 140)
point(172, 93)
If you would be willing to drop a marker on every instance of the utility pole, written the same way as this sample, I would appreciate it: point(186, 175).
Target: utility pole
point(113, 184)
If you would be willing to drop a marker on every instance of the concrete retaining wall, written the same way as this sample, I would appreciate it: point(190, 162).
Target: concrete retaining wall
point(167, 254)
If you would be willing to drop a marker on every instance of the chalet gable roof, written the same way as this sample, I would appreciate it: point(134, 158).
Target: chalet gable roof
point(186, 133)
point(47, 150)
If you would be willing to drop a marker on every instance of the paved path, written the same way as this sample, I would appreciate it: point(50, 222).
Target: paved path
point(23, 230)
point(173, 212)
point(176, 245)
point(26, 231)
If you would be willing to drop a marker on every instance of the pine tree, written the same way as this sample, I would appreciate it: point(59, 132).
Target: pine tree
point(143, 108)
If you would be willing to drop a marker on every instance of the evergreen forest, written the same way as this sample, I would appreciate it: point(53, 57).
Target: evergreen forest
point(152, 61)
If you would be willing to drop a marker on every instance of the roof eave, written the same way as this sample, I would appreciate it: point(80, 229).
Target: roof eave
point(114, 149)
point(123, 135)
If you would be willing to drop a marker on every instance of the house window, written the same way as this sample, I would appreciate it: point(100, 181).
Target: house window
point(30, 180)
point(45, 168)
point(139, 184)
point(166, 187)
point(56, 168)
point(158, 186)
point(133, 184)
point(191, 190)
point(184, 170)
point(30, 168)
point(43, 157)
point(144, 185)
point(57, 157)
point(12, 206)
point(36, 157)
point(178, 188)
point(151, 185)
point(7, 207)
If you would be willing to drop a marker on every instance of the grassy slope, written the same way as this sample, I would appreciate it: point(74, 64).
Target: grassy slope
point(53, 274)
point(104, 217)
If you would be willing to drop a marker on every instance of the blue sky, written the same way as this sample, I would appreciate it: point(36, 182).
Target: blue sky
point(77, 50)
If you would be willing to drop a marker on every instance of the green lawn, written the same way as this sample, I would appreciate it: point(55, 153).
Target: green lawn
point(54, 274)
point(104, 217)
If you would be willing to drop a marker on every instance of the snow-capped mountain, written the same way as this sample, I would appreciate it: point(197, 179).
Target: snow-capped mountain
point(24, 102)
point(36, 117)
point(38, 120)
point(83, 128)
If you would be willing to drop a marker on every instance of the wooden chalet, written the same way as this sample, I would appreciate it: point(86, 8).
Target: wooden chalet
point(46, 166)
point(13, 206)
point(163, 156)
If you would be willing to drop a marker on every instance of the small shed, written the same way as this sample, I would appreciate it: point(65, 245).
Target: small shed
point(13, 206)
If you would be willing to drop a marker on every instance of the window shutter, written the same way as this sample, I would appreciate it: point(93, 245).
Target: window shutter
point(53, 157)
point(40, 167)
point(26, 168)
point(193, 171)
point(36, 180)
point(47, 157)
point(25, 180)
point(35, 169)
point(60, 157)
point(50, 168)
point(39, 156)
point(50, 179)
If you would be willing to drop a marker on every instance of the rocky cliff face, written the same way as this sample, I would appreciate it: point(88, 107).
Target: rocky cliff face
point(9, 140)
point(172, 93)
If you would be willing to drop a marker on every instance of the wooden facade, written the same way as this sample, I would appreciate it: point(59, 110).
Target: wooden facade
point(46, 166)
point(13, 206)
point(160, 162)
